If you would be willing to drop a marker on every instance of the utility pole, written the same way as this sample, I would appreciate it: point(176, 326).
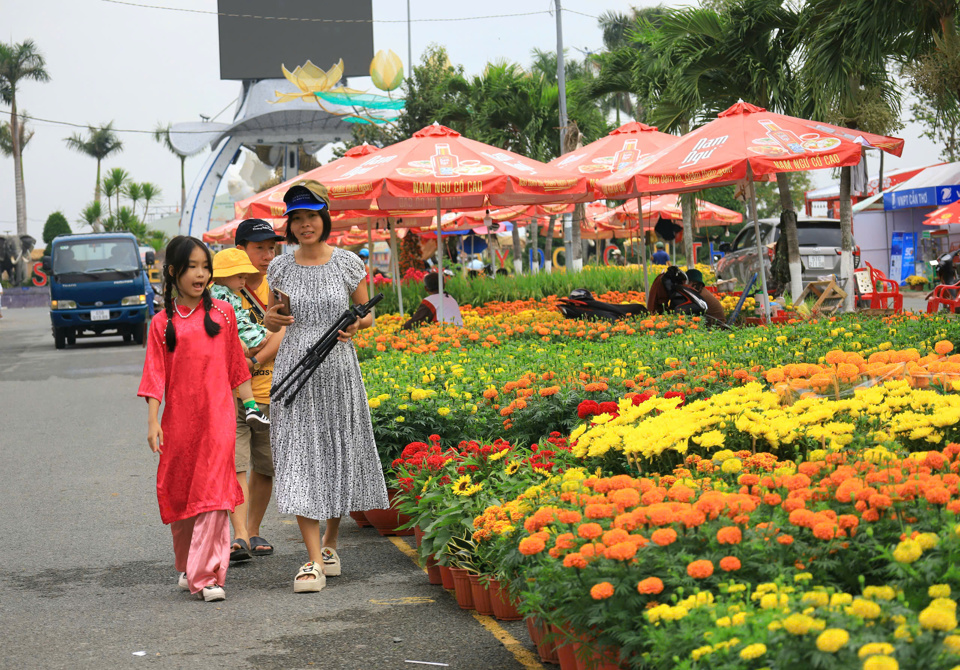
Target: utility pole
point(561, 77)
point(409, 47)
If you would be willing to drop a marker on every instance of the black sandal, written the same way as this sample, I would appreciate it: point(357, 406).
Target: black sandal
point(240, 553)
point(257, 541)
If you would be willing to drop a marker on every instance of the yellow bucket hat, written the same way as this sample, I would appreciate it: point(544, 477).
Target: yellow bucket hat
point(231, 262)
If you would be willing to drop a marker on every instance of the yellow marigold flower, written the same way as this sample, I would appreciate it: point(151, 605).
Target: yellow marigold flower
point(938, 618)
point(374, 403)
point(832, 639)
point(399, 419)
point(723, 455)
point(952, 642)
point(939, 591)
point(944, 603)
point(752, 651)
point(802, 577)
point(723, 622)
point(927, 540)
point(771, 601)
point(907, 551)
point(865, 609)
point(738, 619)
point(881, 663)
point(816, 598)
point(880, 593)
point(903, 633)
point(700, 652)
point(799, 624)
point(838, 599)
point(875, 648)
point(443, 411)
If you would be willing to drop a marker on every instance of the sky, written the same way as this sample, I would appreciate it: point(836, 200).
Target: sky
point(138, 66)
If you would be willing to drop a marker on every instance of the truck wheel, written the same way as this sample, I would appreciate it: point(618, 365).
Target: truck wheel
point(71, 336)
point(138, 331)
point(60, 338)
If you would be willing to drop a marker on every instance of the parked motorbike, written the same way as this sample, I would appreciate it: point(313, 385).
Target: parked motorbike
point(581, 304)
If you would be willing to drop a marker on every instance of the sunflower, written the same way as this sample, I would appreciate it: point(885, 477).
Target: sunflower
point(512, 467)
point(497, 455)
point(462, 485)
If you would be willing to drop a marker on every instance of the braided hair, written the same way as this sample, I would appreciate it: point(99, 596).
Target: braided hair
point(176, 263)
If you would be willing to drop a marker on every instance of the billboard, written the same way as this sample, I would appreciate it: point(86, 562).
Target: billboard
point(257, 37)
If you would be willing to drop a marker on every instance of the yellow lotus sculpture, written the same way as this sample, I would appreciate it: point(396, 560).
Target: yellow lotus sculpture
point(386, 70)
point(309, 79)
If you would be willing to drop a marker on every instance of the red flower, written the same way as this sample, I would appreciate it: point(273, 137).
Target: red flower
point(587, 408)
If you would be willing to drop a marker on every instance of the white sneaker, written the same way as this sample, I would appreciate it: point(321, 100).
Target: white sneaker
point(182, 582)
point(212, 593)
point(331, 562)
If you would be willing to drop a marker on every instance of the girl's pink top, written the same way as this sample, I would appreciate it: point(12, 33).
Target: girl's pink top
point(196, 472)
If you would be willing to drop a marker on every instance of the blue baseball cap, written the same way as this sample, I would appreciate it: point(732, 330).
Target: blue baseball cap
point(363, 253)
point(306, 194)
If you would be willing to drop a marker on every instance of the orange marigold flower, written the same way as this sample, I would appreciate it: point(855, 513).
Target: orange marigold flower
point(595, 386)
point(624, 498)
point(692, 518)
point(568, 516)
point(700, 569)
point(612, 537)
point(729, 535)
point(825, 531)
point(549, 391)
point(880, 501)
point(575, 560)
point(664, 536)
point(564, 541)
point(599, 511)
point(650, 586)
point(601, 591)
point(490, 394)
point(943, 347)
point(785, 539)
point(622, 551)
point(871, 515)
point(772, 499)
point(589, 531)
point(729, 563)
point(937, 495)
point(848, 521)
point(531, 545)
point(661, 515)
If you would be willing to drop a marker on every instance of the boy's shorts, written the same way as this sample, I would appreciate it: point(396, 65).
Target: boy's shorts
point(253, 449)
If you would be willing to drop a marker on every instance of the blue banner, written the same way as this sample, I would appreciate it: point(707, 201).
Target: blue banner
point(896, 256)
point(931, 196)
point(908, 267)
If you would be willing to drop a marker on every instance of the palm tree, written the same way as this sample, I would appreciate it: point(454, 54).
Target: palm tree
point(109, 190)
point(162, 135)
point(150, 191)
point(6, 137)
point(116, 180)
point(847, 50)
point(99, 143)
point(19, 62)
point(134, 191)
point(745, 51)
point(90, 216)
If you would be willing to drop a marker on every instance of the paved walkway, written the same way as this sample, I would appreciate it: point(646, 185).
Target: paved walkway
point(87, 577)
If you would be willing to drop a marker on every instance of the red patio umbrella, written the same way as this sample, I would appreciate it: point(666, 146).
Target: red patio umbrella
point(620, 149)
point(943, 216)
point(743, 143)
point(667, 206)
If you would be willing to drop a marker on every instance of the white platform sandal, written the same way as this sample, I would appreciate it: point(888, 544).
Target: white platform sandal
point(309, 585)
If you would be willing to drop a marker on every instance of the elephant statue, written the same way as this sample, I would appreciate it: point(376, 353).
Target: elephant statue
point(15, 257)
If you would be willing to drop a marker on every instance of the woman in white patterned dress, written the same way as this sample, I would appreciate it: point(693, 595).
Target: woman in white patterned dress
point(324, 454)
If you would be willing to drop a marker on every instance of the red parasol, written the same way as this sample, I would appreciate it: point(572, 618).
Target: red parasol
point(944, 216)
point(743, 143)
point(667, 206)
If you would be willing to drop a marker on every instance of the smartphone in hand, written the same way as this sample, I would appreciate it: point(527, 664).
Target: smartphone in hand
point(283, 300)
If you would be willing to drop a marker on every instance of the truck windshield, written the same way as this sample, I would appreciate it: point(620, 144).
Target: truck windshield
point(96, 257)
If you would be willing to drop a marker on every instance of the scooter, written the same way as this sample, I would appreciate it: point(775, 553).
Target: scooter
point(581, 304)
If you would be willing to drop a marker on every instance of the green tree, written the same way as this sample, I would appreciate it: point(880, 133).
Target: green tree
point(6, 137)
point(156, 239)
point(19, 63)
point(847, 51)
point(56, 225)
point(150, 192)
point(98, 144)
point(116, 182)
point(134, 192)
point(161, 134)
point(91, 215)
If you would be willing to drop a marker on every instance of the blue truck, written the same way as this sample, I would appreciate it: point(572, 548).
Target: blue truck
point(98, 286)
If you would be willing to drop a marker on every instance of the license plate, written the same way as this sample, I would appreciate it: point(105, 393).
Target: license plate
point(815, 261)
point(100, 315)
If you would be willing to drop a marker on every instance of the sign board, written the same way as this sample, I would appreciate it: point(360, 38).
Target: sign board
point(257, 37)
point(896, 255)
point(931, 196)
point(909, 264)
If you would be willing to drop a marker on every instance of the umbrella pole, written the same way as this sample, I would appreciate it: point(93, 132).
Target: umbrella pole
point(760, 252)
point(395, 264)
point(370, 255)
point(643, 248)
point(440, 259)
